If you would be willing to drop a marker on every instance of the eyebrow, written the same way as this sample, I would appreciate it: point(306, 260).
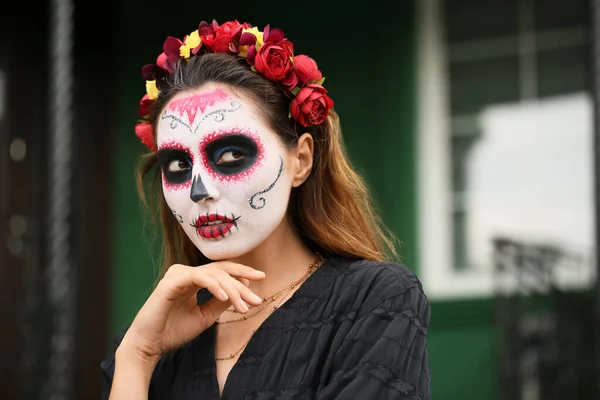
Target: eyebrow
point(193, 104)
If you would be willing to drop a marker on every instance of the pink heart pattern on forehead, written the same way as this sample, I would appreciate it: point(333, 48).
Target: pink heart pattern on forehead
point(192, 105)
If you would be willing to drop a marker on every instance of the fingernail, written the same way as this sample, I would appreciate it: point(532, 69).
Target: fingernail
point(255, 298)
point(223, 295)
point(243, 305)
point(258, 272)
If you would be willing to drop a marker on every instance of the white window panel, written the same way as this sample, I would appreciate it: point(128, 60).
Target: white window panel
point(478, 96)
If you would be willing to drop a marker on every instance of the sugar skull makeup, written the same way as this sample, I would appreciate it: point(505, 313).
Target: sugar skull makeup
point(223, 172)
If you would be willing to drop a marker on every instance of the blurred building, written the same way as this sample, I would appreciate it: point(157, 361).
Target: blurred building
point(470, 120)
point(505, 145)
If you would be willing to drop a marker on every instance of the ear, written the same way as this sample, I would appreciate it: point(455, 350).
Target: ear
point(303, 159)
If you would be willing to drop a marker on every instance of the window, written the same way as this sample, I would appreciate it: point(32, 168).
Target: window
point(503, 101)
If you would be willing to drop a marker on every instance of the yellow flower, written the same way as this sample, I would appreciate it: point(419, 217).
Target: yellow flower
point(259, 40)
point(184, 51)
point(191, 42)
point(152, 90)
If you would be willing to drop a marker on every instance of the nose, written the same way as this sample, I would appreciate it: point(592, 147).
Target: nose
point(199, 191)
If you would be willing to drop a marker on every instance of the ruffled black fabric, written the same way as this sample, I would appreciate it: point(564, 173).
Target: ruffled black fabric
point(355, 329)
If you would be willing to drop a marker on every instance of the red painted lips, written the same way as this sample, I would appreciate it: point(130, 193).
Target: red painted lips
point(213, 226)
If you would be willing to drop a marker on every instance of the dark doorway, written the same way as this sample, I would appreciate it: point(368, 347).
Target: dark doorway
point(29, 317)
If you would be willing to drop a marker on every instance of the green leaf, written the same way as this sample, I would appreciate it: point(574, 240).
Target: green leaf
point(295, 90)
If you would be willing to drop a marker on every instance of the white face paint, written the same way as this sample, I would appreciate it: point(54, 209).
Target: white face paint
point(223, 171)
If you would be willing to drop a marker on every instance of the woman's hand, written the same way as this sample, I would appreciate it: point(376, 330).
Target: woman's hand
point(171, 317)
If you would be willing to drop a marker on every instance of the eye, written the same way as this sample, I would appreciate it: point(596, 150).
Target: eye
point(178, 166)
point(231, 154)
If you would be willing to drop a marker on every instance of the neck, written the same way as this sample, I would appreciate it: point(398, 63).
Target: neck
point(283, 257)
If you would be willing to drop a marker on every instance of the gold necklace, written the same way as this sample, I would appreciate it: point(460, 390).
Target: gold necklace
point(271, 299)
point(250, 315)
point(232, 355)
point(237, 352)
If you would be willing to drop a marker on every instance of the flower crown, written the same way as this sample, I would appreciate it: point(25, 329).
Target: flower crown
point(268, 52)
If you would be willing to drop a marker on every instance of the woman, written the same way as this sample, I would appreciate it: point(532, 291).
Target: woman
point(273, 284)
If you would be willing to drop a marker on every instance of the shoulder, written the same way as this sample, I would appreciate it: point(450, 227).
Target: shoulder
point(365, 285)
point(379, 278)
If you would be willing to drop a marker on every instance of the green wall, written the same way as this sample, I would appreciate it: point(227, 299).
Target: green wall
point(368, 57)
point(461, 347)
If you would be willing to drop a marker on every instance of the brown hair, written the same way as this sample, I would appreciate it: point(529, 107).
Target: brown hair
point(331, 210)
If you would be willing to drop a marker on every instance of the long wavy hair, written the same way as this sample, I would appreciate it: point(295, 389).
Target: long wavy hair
point(331, 210)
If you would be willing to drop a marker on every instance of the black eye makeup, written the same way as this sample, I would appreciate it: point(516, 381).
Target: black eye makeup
point(176, 165)
point(231, 154)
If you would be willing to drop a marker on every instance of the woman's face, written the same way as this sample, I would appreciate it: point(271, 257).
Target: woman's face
point(223, 171)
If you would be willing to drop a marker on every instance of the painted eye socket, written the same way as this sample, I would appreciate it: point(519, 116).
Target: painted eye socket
point(176, 165)
point(231, 154)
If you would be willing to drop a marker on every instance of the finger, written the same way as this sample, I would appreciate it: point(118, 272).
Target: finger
point(212, 309)
point(180, 282)
point(245, 281)
point(200, 279)
point(239, 270)
point(247, 294)
point(230, 287)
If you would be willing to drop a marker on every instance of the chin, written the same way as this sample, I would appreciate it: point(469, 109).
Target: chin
point(224, 249)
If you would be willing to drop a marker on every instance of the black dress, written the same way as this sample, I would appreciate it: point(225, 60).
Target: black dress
point(354, 330)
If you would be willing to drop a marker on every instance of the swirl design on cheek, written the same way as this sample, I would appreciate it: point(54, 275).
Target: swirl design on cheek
point(261, 199)
point(177, 215)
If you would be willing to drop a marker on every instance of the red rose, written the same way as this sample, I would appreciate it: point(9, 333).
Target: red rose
point(144, 132)
point(290, 81)
point(311, 105)
point(274, 60)
point(145, 104)
point(217, 38)
point(307, 70)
